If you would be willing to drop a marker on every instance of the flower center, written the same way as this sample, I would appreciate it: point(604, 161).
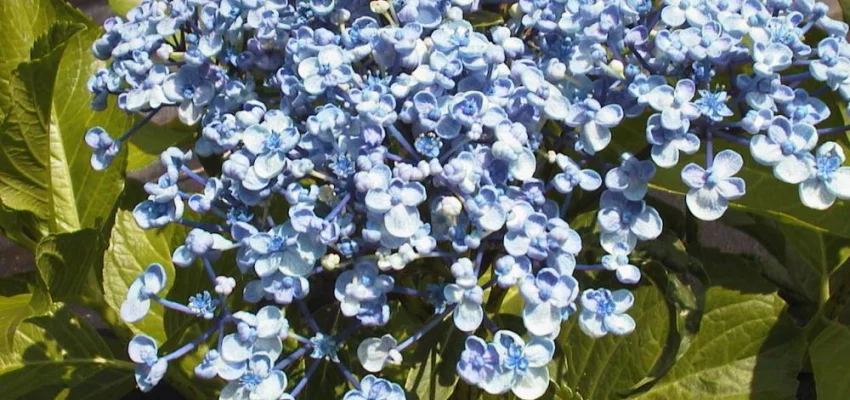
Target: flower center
point(250, 381)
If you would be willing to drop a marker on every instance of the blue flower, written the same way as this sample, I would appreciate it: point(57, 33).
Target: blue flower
point(631, 177)
point(805, 109)
point(270, 141)
point(523, 365)
point(362, 288)
point(286, 250)
point(511, 146)
point(764, 92)
point(375, 353)
point(396, 46)
point(324, 347)
point(511, 270)
point(786, 148)
point(255, 334)
point(282, 288)
point(595, 122)
point(138, 301)
point(150, 94)
point(618, 261)
point(573, 176)
point(428, 144)
point(546, 297)
point(625, 221)
point(440, 71)
point(326, 70)
point(105, 148)
point(828, 180)
point(667, 143)
point(487, 210)
point(149, 367)
point(478, 363)
point(395, 206)
point(604, 311)
point(712, 188)
point(677, 12)
point(203, 202)
point(831, 66)
point(473, 111)
point(771, 58)
point(372, 388)
point(203, 305)
point(200, 243)
point(674, 105)
point(260, 381)
point(191, 87)
point(468, 296)
point(713, 105)
point(706, 41)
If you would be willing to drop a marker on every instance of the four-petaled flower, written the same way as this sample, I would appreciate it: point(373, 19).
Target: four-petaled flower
point(712, 188)
point(604, 311)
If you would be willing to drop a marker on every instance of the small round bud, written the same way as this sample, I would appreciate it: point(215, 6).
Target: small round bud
point(450, 206)
point(379, 6)
point(330, 261)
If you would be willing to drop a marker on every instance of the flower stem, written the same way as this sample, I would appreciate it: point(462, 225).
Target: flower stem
point(293, 357)
point(307, 375)
point(139, 124)
point(435, 320)
point(191, 345)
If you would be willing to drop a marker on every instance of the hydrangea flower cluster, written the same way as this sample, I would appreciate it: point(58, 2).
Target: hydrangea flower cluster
point(391, 132)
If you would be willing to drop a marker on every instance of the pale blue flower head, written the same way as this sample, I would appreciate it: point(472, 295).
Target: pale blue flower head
point(467, 295)
point(707, 41)
point(764, 92)
point(712, 188)
point(282, 288)
point(286, 250)
point(631, 178)
point(828, 180)
point(604, 311)
point(105, 148)
point(138, 300)
point(511, 270)
point(359, 288)
point(625, 221)
point(771, 58)
point(259, 382)
point(259, 333)
point(674, 105)
point(150, 369)
point(326, 70)
point(200, 243)
point(324, 347)
point(479, 362)
point(667, 143)
point(203, 305)
point(831, 66)
point(372, 388)
point(395, 206)
point(192, 88)
point(618, 261)
point(523, 368)
point(595, 122)
point(787, 148)
point(546, 297)
point(375, 353)
point(270, 141)
point(573, 176)
point(805, 108)
point(713, 106)
point(677, 12)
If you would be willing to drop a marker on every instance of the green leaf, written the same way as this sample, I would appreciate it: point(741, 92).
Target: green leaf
point(44, 162)
point(146, 145)
point(830, 356)
point(131, 249)
point(22, 22)
point(59, 354)
point(69, 262)
point(766, 195)
point(805, 257)
point(483, 19)
point(121, 7)
point(611, 366)
point(432, 374)
point(21, 297)
point(745, 348)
